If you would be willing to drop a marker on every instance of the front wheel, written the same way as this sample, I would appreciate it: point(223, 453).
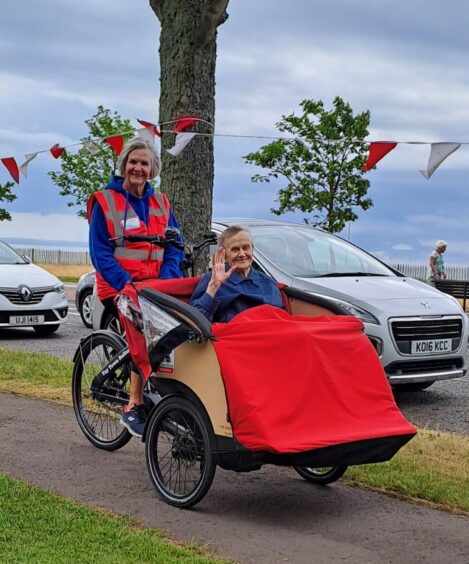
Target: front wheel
point(325, 475)
point(178, 452)
point(98, 412)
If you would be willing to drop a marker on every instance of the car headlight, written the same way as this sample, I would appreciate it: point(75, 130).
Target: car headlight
point(59, 289)
point(356, 311)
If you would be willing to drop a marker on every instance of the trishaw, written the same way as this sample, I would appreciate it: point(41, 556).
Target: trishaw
point(208, 406)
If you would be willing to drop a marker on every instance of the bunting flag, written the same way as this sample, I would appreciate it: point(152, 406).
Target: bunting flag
point(438, 153)
point(378, 150)
point(182, 139)
point(116, 142)
point(184, 122)
point(56, 151)
point(91, 146)
point(24, 167)
point(147, 135)
point(12, 167)
point(150, 126)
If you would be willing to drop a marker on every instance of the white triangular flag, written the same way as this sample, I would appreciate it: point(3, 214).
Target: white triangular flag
point(182, 139)
point(147, 135)
point(439, 152)
point(24, 167)
point(91, 146)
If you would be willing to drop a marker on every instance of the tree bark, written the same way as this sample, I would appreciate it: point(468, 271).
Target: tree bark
point(187, 87)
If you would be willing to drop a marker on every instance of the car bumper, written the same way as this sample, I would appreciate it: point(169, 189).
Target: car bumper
point(52, 310)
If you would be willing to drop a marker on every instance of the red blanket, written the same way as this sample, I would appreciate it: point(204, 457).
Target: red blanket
point(296, 383)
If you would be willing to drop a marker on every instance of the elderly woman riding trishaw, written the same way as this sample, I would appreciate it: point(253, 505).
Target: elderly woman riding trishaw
point(300, 386)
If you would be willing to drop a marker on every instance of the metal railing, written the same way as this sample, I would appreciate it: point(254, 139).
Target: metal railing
point(419, 271)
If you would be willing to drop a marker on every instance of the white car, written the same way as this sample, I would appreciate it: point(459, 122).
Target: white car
point(29, 295)
point(419, 333)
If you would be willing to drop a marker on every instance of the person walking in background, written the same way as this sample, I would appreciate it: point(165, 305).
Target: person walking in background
point(436, 264)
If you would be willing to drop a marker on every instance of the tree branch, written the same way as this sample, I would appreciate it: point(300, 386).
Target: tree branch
point(214, 16)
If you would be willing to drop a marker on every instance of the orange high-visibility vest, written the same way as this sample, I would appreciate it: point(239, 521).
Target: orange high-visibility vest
point(140, 260)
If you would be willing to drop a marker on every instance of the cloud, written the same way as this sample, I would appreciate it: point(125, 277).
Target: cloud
point(402, 247)
point(53, 226)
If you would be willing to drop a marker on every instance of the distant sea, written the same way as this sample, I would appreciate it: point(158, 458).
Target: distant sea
point(46, 244)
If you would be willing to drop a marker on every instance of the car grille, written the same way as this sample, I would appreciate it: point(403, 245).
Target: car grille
point(422, 366)
point(36, 295)
point(404, 331)
point(48, 314)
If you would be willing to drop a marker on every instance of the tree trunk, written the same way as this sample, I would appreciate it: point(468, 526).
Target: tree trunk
point(187, 87)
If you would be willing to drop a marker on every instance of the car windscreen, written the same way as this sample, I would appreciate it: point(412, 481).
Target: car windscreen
point(10, 256)
point(309, 253)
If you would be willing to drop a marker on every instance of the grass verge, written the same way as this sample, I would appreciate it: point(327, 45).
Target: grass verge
point(37, 526)
point(432, 468)
point(67, 272)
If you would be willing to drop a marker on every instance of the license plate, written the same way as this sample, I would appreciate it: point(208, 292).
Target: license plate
point(431, 346)
point(26, 319)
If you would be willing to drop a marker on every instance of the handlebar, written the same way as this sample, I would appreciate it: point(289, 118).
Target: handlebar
point(191, 252)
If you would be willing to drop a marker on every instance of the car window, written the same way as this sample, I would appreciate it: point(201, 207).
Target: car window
point(9, 255)
point(307, 252)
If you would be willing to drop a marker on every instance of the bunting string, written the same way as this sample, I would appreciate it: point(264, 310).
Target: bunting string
point(377, 150)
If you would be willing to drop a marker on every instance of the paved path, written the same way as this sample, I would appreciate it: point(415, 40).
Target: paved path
point(264, 517)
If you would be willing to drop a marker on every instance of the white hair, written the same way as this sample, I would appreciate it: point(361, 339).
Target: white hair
point(139, 143)
point(440, 243)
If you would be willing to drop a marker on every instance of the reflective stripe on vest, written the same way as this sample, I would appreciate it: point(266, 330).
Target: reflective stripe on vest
point(126, 252)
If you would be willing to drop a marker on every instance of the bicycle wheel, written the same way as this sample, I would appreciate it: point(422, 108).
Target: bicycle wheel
point(178, 452)
point(325, 475)
point(98, 414)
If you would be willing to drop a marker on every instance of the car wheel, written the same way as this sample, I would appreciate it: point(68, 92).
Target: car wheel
point(44, 330)
point(86, 312)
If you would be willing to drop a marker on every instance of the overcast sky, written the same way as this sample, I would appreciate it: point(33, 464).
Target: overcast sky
point(405, 62)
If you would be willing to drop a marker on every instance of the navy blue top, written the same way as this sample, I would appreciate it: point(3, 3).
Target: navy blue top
point(102, 247)
point(235, 295)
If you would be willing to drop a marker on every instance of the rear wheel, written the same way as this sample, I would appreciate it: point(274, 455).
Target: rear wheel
point(321, 475)
point(98, 414)
point(178, 452)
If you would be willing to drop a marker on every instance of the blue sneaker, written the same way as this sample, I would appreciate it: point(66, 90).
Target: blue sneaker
point(134, 419)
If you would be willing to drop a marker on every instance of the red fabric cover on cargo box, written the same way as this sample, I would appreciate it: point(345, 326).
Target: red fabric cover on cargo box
point(296, 383)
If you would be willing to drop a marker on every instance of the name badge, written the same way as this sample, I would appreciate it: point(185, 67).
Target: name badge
point(131, 223)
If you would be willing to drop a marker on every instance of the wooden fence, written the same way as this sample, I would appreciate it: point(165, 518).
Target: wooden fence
point(55, 256)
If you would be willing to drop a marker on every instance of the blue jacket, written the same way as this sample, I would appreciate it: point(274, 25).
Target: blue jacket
point(236, 295)
point(102, 248)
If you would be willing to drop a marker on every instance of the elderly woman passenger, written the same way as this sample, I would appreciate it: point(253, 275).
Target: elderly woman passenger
point(232, 288)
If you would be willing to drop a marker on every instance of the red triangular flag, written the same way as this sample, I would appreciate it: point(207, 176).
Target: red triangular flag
point(12, 168)
point(184, 122)
point(151, 126)
point(116, 142)
point(378, 150)
point(56, 151)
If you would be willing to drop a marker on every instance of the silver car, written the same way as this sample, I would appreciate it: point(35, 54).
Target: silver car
point(29, 295)
point(419, 333)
